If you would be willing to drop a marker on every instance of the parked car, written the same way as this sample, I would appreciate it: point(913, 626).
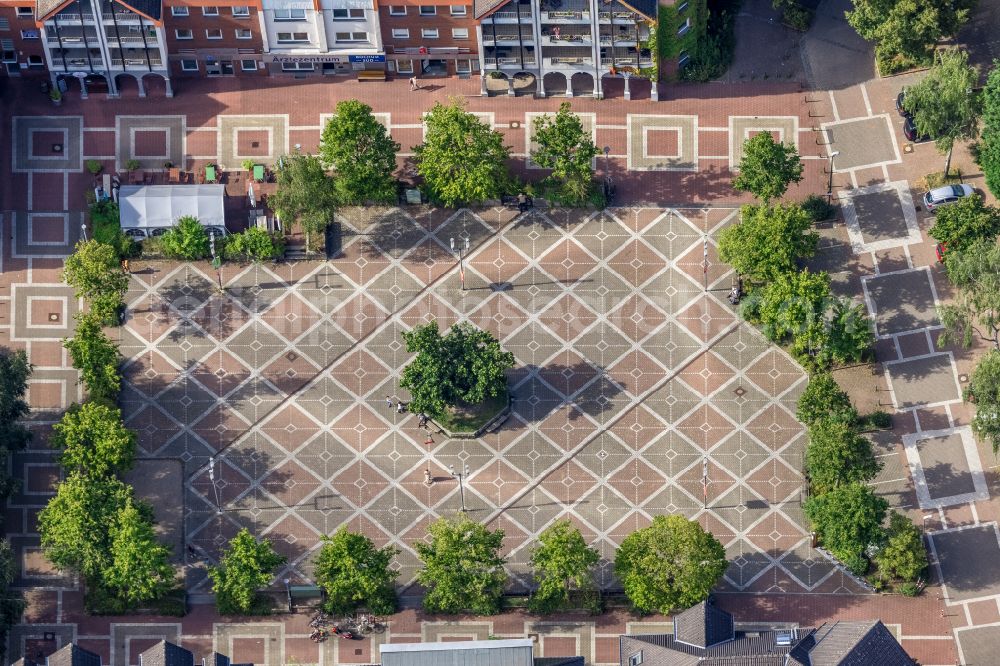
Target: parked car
point(942, 196)
point(910, 131)
point(899, 103)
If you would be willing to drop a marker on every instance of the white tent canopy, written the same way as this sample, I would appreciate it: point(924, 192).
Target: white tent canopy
point(160, 206)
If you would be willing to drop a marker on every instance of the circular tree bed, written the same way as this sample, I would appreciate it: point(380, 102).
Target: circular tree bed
point(467, 420)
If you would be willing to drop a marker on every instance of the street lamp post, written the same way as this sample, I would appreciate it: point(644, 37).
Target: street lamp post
point(83, 231)
point(216, 262)
point(460, 475)
point(829, 184)
point(461, 259)
point(211, 478)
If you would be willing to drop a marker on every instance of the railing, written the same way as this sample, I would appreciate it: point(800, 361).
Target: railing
point(136, 62)
point(558, 16)
point(504, 38)
point(503, 62)
point(618, 39)
point(618, 16)
point(566, 60)
point(624, 62)
point(75, 17)
point(132, 39)
point(510, 16)
point(124, 16)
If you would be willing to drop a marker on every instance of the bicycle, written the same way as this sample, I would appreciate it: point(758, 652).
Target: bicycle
point(368, 623)
point(319, 620)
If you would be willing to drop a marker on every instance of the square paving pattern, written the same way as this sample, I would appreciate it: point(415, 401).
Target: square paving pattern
point(784, 128)
point(880, 216)
point(902, 301)
point(928, 380)
point(151, 140)
point(978, 645)
point(963, 578)
point(862, 143)
point(29, 154)
point(629, 378)
point(946, 467)
point(662, 143)
point(237, 133)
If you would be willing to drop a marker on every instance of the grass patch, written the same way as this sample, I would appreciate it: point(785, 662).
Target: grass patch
point(939, 178)
point(470, 418)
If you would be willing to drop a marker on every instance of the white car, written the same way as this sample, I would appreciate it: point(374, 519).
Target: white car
point(942, 196)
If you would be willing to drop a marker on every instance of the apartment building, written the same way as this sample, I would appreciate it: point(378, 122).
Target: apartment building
point(426, 38)
point(566, 44)
point(21, 50)
point(224, 39)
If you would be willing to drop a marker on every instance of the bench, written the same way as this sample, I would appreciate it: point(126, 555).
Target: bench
point(298, 593)
point(371, 75)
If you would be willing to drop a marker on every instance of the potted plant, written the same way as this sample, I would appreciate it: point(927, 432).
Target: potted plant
point(132, 165)
point(248, 165)
point(55, 95)
point(94, 167)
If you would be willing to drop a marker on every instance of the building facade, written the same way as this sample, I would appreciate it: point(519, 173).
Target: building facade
point(428, 38)
point(21, 49)
point(222, 39)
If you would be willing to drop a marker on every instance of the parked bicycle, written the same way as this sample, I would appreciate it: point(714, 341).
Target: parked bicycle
point(321, 619)
point(319, 635)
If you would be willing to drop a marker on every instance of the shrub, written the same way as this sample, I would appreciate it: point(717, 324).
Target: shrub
point(877, 420)
point(104, 220)
point(818, 208)
point(246, 567)
point(824, 399)
point(797, 17)
point(96, 357)
point(254, 245)
point(903, 556)
point(132, 165)
point(187, 240)
point(248, 164)
point(909, 589)
point(94, 166)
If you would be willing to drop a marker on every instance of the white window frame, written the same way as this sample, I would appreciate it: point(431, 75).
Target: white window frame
point(428, 10)
point(684, 27)
point(298, 67)
point(180, 11)
point(407, 70)
point(208, 11)
point(32, 33)
point(292, 38)
point(430, 33)
point(244, 33)
point(243, 65)
point(183, 33)
point(458, 10)
point(213, 34)
point(25, 12)
point(457, 33)
point(683, 58)
point(397, 10)
point(467, 67)
point(350, 14)
point(40, 62)
point(243, 13)
point(4, 24)
point(400, 33)
point(351, 37)
point(288, 16)
point(681, 8)
point(186, 62)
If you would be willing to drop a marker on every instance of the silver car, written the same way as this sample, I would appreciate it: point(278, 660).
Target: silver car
point(942, 196)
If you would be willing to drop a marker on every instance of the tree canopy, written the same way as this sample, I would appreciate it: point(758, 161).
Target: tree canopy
point(93, 440)
point(768, 241)
point(767, 167)
point(562, 564)
point(96, 357)
point(838, 455)
point(823, 399)
point(975, 310)
point(304, 193)
point(139, 566)
point(988, 151)
point(462, 160)
point(361, 153)
point(187, 240)
point(903, 555)
point(94, 272)
point(966, 222)
point(984, 391)
point(670, 565)
point(463, 570)
point(14, 373)
point(907, 28)
point(247, 566)
point(848, 520)
point(355, 574)
point(943, 103)
point(466, 366)
point(566, 148)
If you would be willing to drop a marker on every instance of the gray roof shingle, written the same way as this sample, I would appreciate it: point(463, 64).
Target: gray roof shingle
point(166, 654)
point(71, 655)
point(703, 625)
point(857, 644)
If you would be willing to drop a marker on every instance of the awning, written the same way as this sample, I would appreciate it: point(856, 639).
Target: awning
point(160, 206)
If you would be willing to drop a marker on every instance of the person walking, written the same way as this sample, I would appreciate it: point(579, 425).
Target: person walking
point(388, 401)
point(400, 407)
point(413, 83)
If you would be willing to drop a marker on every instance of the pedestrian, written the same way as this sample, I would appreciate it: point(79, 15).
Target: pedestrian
point(399, 407)
point(388, 401)
point(413, 83)
point(125, 267)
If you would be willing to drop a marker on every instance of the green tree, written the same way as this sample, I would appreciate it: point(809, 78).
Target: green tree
point(790, 308)
point(562, 564)
point(903, 556)
point(767, 167)
point(975, 310)
point(907, 28)
point(96, 357)
point(14, 436)
point(463, 570)
point(566, 148)
point(849, 333)
point(361, 153)
point(461, 160)
point(823, 399)
point(848, 519)
point(305, 194)
point(187, 240)
point(93, 440)
point(464, 367)
point(943, 103)
point(74, 524)
point(246, 567)
point(139, 566)
point(355, 574)
point(670, 565)
point(11, 601)
point(254, 244)
point(94, 272)
point(988, 150)
point(965, 222)
point(838, 455)
point(768, 241)
point(984, 391)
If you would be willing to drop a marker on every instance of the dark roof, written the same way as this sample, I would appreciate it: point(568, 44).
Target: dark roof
point(71, 655)
point(857, 644)
point(482, 7)
point(215, 659)
point(703, 625)
point(558, 661)
point(151, 9)
point(166, 654)
point(148, 8)
point(645, 7)
point(45, 8)
point(24, 661)
point(757, 648)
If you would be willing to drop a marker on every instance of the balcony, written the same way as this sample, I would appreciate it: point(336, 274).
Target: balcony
point(509, 63)
point(625, 61)
point(70, 17)
point(507, 38)
point(509, 16)
point(135, 63)
point(71, 37)
point(619, 17)
point(569, 62)
point(565, 17)
point(557, 37)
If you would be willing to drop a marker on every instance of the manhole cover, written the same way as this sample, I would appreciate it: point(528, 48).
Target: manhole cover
point(255, 144)
point(54, 316)
point(57, 147)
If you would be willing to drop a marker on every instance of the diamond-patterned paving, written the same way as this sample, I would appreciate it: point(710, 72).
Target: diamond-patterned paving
point(634, 385)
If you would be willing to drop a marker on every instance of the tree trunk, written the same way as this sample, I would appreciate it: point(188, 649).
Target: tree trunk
point(947, 164)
